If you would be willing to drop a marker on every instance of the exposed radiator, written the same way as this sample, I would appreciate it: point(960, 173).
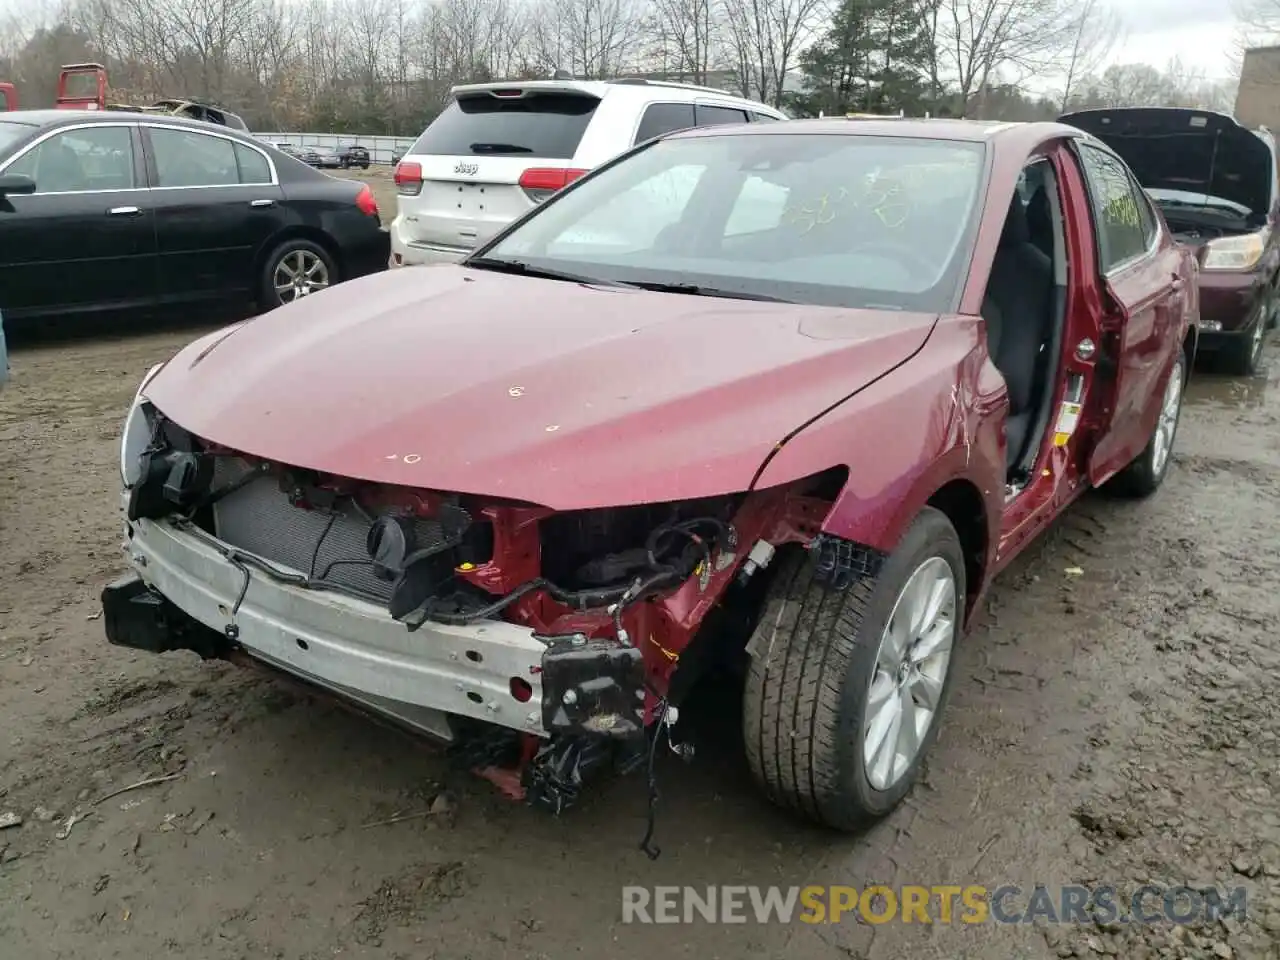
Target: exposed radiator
point(259, 519)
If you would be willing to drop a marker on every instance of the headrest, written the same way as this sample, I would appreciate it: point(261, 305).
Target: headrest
point(1016, 232)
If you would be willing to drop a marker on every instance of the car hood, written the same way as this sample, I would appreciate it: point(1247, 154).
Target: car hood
point(542, 391)
point(1198, 151)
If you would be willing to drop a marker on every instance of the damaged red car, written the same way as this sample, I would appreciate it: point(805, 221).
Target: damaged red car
point(777, 397)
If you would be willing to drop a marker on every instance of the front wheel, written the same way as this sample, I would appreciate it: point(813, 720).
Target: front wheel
point(846, 687)
point(1144, 476)
point(1243, 353)
point(295, 269)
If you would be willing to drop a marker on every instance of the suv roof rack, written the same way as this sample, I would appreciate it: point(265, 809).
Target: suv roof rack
point(646, 82)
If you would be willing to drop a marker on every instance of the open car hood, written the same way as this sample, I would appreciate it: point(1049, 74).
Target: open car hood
point(1175, 148)
point(535, 390)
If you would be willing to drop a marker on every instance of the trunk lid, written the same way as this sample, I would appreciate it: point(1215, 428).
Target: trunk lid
point(1192, 151)
point(460, 183)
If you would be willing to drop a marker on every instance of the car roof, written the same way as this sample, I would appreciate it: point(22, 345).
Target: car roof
point(1005, 136)
point(641, 88)
point(53, 118)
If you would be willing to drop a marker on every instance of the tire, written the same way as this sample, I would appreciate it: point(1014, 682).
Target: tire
point(365, 165)
point(287, 259)
point(1241, 355)
point(1144, 476)
point(814, 658)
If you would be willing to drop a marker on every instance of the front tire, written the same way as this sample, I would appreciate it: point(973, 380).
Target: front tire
point(846, 687)
point(295, 269)
point(1144, 476)
point(1242, 354)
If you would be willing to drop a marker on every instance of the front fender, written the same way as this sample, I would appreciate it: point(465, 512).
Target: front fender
point(938, 418)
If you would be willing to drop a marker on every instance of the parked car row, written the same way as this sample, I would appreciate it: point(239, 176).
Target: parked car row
point(342, 158)
point(114, 213)
point(523, 501)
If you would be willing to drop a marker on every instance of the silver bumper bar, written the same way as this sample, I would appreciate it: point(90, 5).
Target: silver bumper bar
point(346, 644)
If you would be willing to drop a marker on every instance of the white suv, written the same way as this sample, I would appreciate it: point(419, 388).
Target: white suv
point(499, 149)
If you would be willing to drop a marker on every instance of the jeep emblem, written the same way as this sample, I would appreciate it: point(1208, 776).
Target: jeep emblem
point(468, 169)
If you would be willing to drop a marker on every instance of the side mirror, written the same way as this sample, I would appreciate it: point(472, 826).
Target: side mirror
point(11, 183)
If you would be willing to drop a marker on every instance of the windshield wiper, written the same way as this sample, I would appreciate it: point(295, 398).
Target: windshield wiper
point(528, 270)
point(694, 290)
point(499, 148)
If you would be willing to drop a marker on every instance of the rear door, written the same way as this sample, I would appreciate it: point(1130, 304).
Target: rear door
point(217, 201)
point(490, 157)
point(85, 240)
point(1142, 310)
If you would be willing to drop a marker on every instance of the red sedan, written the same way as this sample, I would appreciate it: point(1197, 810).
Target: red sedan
point(783, 397)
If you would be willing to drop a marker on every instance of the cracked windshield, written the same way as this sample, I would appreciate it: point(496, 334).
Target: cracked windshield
point(839, 220)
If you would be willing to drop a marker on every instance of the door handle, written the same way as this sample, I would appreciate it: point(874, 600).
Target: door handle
point(262, 203)
point(123, 212)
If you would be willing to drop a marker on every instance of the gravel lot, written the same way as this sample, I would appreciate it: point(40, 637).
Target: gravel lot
point(1117, 725)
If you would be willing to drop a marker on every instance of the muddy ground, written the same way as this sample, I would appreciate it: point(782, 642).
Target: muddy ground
point(1114, 726)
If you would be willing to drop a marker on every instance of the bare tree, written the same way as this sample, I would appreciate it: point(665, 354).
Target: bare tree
point(765, 38)
point(1093, 32)
point(977, 39)
point(688, 34)
point(590, 38)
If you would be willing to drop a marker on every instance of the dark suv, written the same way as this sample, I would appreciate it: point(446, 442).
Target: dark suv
point(354, 155)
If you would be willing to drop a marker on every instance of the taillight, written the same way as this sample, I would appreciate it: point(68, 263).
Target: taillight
point(541, 182)
point(408, 179)
point(366, 202)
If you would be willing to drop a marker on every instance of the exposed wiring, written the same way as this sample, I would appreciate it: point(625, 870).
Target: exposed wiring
point(652, 850)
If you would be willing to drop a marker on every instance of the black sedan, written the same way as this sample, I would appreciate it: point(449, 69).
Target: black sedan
point(106, 212)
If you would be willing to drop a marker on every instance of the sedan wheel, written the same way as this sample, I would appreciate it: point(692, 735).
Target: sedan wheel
point(297, 268)
point(911, 669)
point(1144, 476)
point(299, 274)
point(848, 683)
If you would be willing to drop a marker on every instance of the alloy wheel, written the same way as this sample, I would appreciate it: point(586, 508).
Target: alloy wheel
point(1167, 424)
point(299, 273)
point(910, 673)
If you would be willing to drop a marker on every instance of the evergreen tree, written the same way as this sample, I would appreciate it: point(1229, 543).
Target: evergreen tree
point(872, 59)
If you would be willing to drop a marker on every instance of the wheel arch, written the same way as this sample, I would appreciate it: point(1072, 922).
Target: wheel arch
point(962, 503)
point(297, 232)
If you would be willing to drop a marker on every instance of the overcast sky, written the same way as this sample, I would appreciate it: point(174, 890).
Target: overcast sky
point(1201, 32)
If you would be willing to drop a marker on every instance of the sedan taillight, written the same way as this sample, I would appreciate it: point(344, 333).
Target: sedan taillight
point(408, 179)
point(541, 182)
point(367, 203)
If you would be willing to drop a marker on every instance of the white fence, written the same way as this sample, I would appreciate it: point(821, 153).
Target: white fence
point(381, 149)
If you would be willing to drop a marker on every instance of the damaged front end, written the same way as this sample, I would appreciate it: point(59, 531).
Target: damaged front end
point(541, 645)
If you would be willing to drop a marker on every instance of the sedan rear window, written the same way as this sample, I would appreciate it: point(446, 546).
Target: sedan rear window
point(538, 125)
point(845, 220)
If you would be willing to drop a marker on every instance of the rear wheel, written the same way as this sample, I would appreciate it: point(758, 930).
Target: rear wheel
point(846, 687)
point(1144, 476)
point(297, 268)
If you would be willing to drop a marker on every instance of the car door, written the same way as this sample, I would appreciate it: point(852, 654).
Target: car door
point(217, 202)
point(84, 241)
point(1143, 304)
